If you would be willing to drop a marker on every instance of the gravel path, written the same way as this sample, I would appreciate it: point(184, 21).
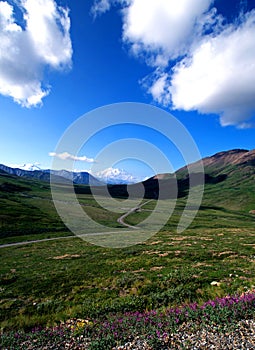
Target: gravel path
point(121, 221)
point(7, 245)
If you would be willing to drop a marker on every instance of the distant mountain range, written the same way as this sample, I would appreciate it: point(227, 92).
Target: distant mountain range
point(79, 178)
point(229, 180)
point(108, 176)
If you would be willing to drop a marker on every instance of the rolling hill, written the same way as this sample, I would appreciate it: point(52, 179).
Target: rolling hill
point(231, 176)
point(48, 281)
point(229, 183)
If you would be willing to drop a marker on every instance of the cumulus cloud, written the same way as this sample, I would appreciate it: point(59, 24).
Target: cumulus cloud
point(42, 40)
point(200, 60)
point(219, 76)
point(162, 29)
point(100, 6)
point(68, 156)
point(157, 86)
point(212, 66)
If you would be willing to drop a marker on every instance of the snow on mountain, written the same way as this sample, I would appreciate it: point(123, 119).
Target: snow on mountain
point(116, 176)
point(109, 175)
point(27, 166)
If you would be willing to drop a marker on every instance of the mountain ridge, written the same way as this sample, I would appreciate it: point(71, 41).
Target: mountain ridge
point(229, 178)
point(227, 175)
point(79, 178)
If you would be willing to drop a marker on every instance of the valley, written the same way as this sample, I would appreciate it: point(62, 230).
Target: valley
point(59, 276)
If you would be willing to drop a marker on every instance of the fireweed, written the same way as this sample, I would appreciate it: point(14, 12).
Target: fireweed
point(154, 326)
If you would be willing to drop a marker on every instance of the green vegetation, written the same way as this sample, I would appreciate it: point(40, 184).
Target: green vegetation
point(27, 211)
point(236, 192)
point(47, 282)
point(43, 283)
point(158, 330)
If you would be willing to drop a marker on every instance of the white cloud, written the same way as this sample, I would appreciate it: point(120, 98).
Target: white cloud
point(68, 156)
point(158, 87)
point(100, 6)
point(163, 28)
point(213, 70)
point(219, 76)
point(43, 41)
point(201, 61)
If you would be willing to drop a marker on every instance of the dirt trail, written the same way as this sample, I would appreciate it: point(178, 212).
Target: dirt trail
point(121, 221)
point(34, 241)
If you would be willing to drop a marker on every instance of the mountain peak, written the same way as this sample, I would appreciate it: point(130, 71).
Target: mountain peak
point(29, 166)
point(232, 157)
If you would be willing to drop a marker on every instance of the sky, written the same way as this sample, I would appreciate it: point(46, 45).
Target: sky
point(62, 59)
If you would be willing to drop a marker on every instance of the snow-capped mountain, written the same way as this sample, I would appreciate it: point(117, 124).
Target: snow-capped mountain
point(108, 176)
point(82, 178)
point(116, 176)
point(28, 166)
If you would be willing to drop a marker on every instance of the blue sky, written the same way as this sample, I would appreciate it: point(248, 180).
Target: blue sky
point(62, 59)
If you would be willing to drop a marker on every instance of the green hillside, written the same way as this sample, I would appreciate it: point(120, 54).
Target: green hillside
point(27, 211)
point(236, 186)
point(47, 282)
point(26, 205)
point(26, 208)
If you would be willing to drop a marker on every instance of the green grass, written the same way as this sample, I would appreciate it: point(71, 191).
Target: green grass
point(27, 211)
point(236, 192)
point(46, 282)
point(35, 237)
point(221, 317)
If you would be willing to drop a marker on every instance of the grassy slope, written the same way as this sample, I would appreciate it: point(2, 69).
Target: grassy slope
point(237, 191)
point(28, 212)
point(230, 181)
point(50, 281)
point(46, 282)
point(26, 209)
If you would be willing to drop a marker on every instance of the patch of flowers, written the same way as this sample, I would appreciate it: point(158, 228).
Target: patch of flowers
point(155, 327)
point(36, 338)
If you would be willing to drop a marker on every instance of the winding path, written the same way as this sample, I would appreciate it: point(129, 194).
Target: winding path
point(34, 241)
point(121, 221)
